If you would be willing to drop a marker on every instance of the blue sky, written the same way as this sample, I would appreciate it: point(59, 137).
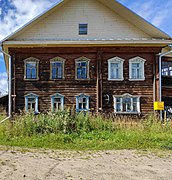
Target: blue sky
point(15, 13)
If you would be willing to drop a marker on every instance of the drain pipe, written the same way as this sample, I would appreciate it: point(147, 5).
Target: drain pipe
point(9, 86)
point(160, 77)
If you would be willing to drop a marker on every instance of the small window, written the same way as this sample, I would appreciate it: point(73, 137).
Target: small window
point(82, 68)
point(115, 69)
point(31, 69)
point(127, 104)
point(82, 103)
point(167, 68)
point(136, 69)
point(57, 68)
point(83, 28)
point(31, 103)
point(57, 102)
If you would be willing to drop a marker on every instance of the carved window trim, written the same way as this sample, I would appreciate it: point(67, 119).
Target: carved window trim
point(119, 61)
point(79, 99)
point(57, 95)
point(79, 61)
point(141, 62)
point(122, 107)
point(31, 60)
point(33, 96)
point(57, 60)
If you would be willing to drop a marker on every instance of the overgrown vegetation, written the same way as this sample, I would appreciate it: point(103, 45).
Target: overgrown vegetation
point(68, 130)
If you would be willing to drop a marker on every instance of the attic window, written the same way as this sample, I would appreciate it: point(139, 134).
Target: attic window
point(83, 28)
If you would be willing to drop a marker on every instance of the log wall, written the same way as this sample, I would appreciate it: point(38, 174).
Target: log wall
point(97, 86)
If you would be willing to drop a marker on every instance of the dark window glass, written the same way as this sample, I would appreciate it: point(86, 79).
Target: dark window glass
point(167, 68)
point(82, 70)
point(83, 29)
point(57, 70)
point(31, 103)
point(31, 70)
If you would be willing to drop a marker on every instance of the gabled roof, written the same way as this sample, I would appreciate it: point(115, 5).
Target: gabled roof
point(118, 8)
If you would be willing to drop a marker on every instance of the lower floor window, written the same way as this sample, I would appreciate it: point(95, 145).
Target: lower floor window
point(31, 102)
point(82, 102)
point(57, 102)
point(127, 103)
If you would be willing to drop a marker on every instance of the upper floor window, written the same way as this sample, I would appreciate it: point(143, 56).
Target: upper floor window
point(31, 102)
point(57, 102)
point(167, 68)
point(127, 103)
point(115, 69)
point(31, 68)
point(57, 68)
point(82, 102)
point(83, 29)
point(82, 68)
point(136, 69)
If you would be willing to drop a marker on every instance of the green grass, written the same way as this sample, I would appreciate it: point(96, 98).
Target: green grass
point(70, 131)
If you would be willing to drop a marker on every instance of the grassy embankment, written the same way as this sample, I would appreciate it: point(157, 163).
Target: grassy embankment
point(66, 130)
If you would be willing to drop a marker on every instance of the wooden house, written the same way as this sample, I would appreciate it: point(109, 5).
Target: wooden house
point(86, 54)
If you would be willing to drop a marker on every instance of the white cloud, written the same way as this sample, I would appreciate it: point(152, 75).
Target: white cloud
point(156, 12)
point(3, 83)
point(23, 12)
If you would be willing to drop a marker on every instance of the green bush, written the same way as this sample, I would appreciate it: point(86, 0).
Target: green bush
point(70, 130)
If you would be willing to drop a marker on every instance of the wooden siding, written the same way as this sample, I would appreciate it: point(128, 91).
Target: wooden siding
point(70, 88)
point(103, 23)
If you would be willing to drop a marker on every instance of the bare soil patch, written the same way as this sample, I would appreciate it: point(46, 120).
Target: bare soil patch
point(33, 164)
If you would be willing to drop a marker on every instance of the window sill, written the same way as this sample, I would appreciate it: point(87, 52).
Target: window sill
point(83, 79)
point(137, 79)
point(57, 79)
point(116, 79)
point(31, 79)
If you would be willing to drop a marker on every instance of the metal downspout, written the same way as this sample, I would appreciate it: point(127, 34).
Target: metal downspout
point(160, 77)
point(9, 86)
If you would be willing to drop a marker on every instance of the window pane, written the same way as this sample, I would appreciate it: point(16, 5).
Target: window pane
point(136, 70)
point(31, 70)
point(115, 70)
point(135, 99)
point(135, 107)
point(57, 70)
point(118, 107)
point(82, 70)
point(167, 68)
point(33, 73)
point(82, 103)
point(57, 100)
point(31, 100)
point(83, 29)
point(118, 99)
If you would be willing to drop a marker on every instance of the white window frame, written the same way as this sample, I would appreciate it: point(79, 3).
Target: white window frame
point(58, 60)
point(57, 95)
point(31, 95)
point(126, 95)
point(141, 61)
point(79, 60)
point(87, 102)
point(120, 62)
point(31, 60)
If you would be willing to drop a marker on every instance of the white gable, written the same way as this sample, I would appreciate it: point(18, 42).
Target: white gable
point(62, 24)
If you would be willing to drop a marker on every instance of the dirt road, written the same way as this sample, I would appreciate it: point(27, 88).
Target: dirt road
point(87, 165)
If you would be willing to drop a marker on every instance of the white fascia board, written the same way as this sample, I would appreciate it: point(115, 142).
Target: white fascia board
point(106, 42)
